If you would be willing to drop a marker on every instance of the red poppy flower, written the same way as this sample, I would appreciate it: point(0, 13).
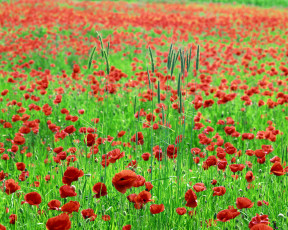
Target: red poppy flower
point(148, 186)
point(275, 159)
point(142, 198)
point(236, 167)
point(71, 206)
point(227, 214)
point(13, 218)
point(242, 202)
point(67, 191)
point(171, 151)
point(222, 164)
point(90, 139)
point(146, 156)
point(140, 138)
point(70, 129)
point(54, 205)
point(277, 169)
point(2, 227)
point(191, 199)
point(139, 182)
point(71, 174)
point(89, 214)
point(249, 176)
point(58, 149)
point(121, 134)
point(11, 186)
point(214, 182)
point(211, 160)
point(155, 208)
point(81, 111)
point(124, 180)
point(127, 227)
point(19, 140)
point(100, 189)
point(259, 153)
point(20, 166)
point(261, 227)
point(199, 187)
point(181, 211)
point(259, 219)
point(59, 222)
point(114, 155)
point(219, 191)
point(32, 198)
point(106, 217)
point(132, 197)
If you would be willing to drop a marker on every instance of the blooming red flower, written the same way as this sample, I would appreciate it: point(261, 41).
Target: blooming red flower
point(20, 166)
point(199, 187)
point(139, 182)
point(181, 211)
point(219, 191)
point(236, 167)
point(259, 219)
point(249, 176)
point(277, 169)
point(114, 155)
point(19, 140)
point(2, 227)
point(71, 174)
point(171, 151)
point(155, 208)
point(191, 199)
point(67, 191)
point(71, 206)
point(140, 138)
point(90, 139)
point(100, 189)
point(127, 227)
point(124, 180)
point(106, 217)
point(121, 134)
point(58, 149)
point(146, 156)
point(242, 202)
point(261, 227)
point(11, 186)
point(142, 198)
point(59, 222)
point(70, 129)
point(214, 182)
point(132, 197)
point(54, 205)
point(32, 198)
point(89, 213)
point(227, 214)
point(13, 218)
point(148, 186)
point(222, 164)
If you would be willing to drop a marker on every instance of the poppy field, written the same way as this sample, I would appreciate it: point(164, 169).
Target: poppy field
point(121, 115)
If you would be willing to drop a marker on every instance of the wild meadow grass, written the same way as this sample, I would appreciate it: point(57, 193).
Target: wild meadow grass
point(76, 74)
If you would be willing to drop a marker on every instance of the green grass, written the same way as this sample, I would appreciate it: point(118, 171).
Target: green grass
point(171, 177)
